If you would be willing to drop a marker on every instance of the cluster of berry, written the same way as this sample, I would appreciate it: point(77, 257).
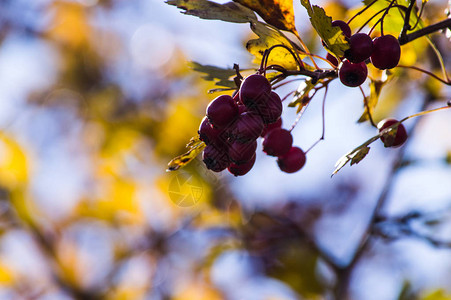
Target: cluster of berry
point(384, 53)
point(233, 124)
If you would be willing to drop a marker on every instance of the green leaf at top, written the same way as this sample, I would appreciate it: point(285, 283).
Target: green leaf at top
point(195, 146)
point(204, 9)
point(331, 35)
point(223, 77)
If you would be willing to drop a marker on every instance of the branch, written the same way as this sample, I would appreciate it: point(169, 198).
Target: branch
point(407, 38)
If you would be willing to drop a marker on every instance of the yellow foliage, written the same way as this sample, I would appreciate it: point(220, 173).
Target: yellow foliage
point(6, 275)
point(13, 163)
point(70, 24)
point(197, 291)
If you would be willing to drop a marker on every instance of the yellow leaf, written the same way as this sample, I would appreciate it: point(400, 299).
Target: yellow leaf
point(13, 163)
point(269, 37)
point(6, 274)
point(278, 13)
point(195, 147)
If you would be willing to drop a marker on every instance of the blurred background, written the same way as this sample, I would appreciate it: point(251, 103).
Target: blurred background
point(96, 96)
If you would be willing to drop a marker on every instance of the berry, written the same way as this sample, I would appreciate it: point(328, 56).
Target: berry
point(386, 52)
point(389, 141)
point(210, 135)
point(361, 47)
point(332, 59)
point(222, 111)
point(215, 159)
point(247, 127)
point(269, 110)
point(240, 153)
point(239, 170)
point(254, 89)
point(277, 142)
point(353, 75)
point(343, 26)
point(269, 127)
point(292, 161)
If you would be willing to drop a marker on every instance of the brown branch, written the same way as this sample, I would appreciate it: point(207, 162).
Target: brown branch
point(424, 31)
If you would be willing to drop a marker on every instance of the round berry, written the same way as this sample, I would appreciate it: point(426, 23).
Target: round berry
point(386, 52)
point(269, 127)
point(239, 170)
point(222, 111)
point(389, 141)
point(215, 159)
point(332, 59)
point(360, 48)
point(247, 127)
point(269, 110)
point(353, 75)
point(240, 153)
point(292, 161)
point(254, 89)
point(277, 142)
point(343, 26)
point(210, 135)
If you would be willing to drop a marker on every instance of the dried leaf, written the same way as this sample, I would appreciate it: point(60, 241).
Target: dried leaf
point(223, 77)
point(359, 155)
point(389, 135)
point(301, 97)
point(195, 146)
point(278, 13)
point(204, 9)
point(331, 35)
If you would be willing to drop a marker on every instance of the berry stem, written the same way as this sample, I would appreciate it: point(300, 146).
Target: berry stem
point(306, 49)
point(447, 82)
point(323, 132)
point(381, 20)
point(361, 11)
point(268, 52)
point(407, 26)
point(365, 101)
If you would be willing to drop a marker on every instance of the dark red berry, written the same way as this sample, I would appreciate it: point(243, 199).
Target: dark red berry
point(254, 89)
point(239, 170)
point(222, 111)
point(277, 142)
point(353, 75)
point(390, 141)
point(332, 59)
point(292, 161)
point(247, 127)
point(269, 127)
point(360, 48)
point(240, 153)
point(386, 52)
point(215, 159)
point(210, 135)
point(343, 26)
point(242, 108)
point(270, 109)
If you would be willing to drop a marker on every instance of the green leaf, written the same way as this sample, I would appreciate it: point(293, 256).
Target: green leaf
point(223, 77)
point(322, 23)
point(195, 146)
point(370, 101)
point(204, 9)
point(278, 13)
point(269, 37)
